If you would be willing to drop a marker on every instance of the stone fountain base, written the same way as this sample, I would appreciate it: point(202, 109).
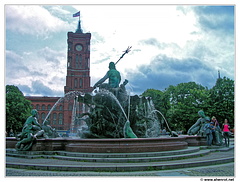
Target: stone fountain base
point(136, 145)
point(126, 145)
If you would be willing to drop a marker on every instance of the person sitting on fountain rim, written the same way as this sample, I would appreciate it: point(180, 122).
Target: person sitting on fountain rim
point(217, 134)
point(113, 76)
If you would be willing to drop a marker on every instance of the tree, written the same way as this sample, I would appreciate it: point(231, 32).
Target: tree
point(185, 99)
point(157, 97)
point(180, 104)
point(221, 102)
point(17, 108)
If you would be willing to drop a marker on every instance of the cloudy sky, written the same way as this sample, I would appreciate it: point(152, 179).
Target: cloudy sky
point(171, 44)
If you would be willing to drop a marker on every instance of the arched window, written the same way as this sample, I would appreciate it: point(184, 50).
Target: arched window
point(75, 83)
point(49, 107)
point(60, 118)
point(54, 118)
point(37, 107)
point(80, 61)
point(55, 108)
point(80, 83)
point(43, 107)
point(60, 107)
point(43, 115)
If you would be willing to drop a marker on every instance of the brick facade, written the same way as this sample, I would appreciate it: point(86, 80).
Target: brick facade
point(78, 62)
point(77, 79)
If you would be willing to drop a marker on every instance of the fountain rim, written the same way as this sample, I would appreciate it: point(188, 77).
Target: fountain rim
point(112, 145)
point(116, 139)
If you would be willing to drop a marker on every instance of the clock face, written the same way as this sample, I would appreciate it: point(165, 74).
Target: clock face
point(78, 47)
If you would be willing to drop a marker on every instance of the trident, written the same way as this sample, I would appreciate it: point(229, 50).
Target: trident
point(125, 52)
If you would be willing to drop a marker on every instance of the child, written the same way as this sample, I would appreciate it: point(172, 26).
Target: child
point(226, 132)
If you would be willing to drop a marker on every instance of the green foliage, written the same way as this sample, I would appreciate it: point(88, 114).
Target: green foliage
point(17, 108)
point(221, 103)
point(186, 99)
point(180, 104)
point(157, 97)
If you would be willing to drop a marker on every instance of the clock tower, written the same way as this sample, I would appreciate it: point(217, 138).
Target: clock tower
point(78, 61)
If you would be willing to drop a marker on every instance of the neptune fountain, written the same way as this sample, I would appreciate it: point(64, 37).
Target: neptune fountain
point(112, 114)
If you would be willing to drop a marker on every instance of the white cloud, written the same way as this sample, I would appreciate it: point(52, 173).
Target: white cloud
point(177, 34)
point(32, 19)
point(151, 30)
point(123, 26)
point(46, 66)
point(14, 66)
point(59, 10)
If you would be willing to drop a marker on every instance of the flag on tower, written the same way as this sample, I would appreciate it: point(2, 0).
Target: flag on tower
point(76, 14)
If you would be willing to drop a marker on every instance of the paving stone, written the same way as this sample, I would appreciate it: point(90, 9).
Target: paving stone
point(198, 171)
point(48, 167)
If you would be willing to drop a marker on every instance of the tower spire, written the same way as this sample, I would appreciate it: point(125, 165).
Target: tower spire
point(79, 29)
point(219, 74)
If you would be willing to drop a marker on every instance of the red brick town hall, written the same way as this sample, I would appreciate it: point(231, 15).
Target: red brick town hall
point(77, 79)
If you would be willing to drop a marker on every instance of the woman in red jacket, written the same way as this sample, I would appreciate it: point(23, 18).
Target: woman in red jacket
point(226, 132)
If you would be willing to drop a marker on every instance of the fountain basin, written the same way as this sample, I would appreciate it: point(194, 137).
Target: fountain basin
point(127, 145)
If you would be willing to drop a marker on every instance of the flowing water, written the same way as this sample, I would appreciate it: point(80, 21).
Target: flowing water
point(68, 96)
point(163, 118)
point(110, 94)
point(152, 126)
